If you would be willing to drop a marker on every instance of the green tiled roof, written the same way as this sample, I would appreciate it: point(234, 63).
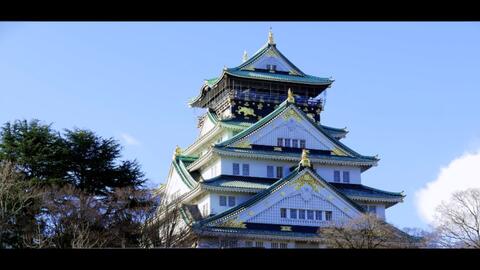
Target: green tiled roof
point(283, 106)
point(295, 155)
point(361, 191)
point(307, 79)
point(262, 194)
point(240, 182)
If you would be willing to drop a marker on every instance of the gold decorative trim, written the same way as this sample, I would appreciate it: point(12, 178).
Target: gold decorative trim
point(286, 228)
point(307, 179)
point(244, 144)
point(291, 113)
point(338, 152)
point(233, 223)
point(276, 148)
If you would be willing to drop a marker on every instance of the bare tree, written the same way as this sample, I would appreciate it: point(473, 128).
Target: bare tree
point(366, 231)
point(165, 225)
point(17, 197)
point(458, 220)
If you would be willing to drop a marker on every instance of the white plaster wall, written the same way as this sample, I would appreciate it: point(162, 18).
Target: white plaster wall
point(175, 185)
point(291, 128)
point(207, 126)
point(205, 200)
point(258, 168)
point(272, 214)
point(326, 172)
point(215, 207)
point(211, 170)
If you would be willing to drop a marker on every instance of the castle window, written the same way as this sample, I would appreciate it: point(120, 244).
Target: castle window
point(372, 209)
point(223, 200)
point(231, 200)
point(248, 244)
point(280, 142)
point(270, 171)
point(336, 176)
point(283, 212)
point(246, 169)
point(301, 214)
point(295, 143)
point(302, 144)
point(328, 215)
point(293, 213)
point(274, 245)
point(310, 214)
point(346, 177)
point(283, 245)
point(287, 142)
point(259, 244)
point(279, 172)
point(318, 215)
point(236, 169)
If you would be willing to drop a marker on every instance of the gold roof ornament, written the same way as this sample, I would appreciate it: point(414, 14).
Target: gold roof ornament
point(305, 161)
point(290, 97)
point(245, 56)
point(270, 37)
point(178, 151)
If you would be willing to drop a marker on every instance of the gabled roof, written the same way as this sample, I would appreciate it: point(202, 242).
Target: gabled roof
point(261, 195)
point(281, 108)
point(254, 68)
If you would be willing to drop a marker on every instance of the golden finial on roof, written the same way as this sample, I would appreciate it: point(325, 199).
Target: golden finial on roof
point(178, 151)
point(245, 56)
point(305, 161)
point(290, 97)
point(270, 37)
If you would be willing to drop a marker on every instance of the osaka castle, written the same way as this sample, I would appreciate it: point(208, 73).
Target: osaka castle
point(264, 170)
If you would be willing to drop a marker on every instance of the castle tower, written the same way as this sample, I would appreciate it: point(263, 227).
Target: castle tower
point(265, 171)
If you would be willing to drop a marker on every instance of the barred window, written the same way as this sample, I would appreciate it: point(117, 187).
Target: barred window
point(246, 169)
point(283, 212)
point(301, 214)
point(283, 245)
point(336, 176)
point(223, 201)
point(270, 171)
point(259, 244)
point(318, 215)
point(328, 215)
point(280, 142)
point(248, 244)
point(295, 143)
point(231, 200)
point(310, 214)
point(236, 169)
point(279, 172)
point(287, 142)
point(293, 213)
point(302, 144)
point(346, 176)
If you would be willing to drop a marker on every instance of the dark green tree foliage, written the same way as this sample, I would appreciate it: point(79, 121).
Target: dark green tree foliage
point(37, 150)
point(90, 198)
point(92, 164)
point(80, 157)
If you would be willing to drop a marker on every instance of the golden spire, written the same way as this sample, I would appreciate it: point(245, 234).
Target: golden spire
point(270, 37)
point(305, 161)
point(245, 56)
point(290, 97)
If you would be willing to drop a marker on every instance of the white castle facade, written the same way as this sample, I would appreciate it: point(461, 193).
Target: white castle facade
point(264, 170)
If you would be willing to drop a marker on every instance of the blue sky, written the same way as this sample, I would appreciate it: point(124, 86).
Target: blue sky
point(407, 91)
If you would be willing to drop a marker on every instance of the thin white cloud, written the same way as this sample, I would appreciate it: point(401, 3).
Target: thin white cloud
point(462, 173)
point(129, 139)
